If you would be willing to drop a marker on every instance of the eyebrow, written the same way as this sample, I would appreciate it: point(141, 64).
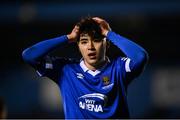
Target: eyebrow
point(83, 39)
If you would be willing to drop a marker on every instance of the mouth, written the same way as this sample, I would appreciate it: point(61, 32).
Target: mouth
point(92, 55)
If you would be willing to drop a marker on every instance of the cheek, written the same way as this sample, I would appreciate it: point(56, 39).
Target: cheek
point(81, 50)
point(102, 48)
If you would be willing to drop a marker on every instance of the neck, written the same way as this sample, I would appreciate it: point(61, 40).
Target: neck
point(96, 66)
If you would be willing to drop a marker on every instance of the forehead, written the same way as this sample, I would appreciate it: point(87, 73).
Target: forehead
point(84, 36)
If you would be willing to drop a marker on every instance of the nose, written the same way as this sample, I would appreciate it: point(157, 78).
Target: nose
point(91, 45)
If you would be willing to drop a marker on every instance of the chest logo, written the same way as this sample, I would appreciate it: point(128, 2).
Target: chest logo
point(80, 75)
point(106, 80)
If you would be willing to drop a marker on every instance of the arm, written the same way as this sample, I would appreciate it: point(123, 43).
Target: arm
point(44, 65)
point(136, 54)
point(32, 54)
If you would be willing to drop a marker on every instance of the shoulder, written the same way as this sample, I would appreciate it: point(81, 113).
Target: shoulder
point(122, 63)
point(119, 59)
point(59, 62)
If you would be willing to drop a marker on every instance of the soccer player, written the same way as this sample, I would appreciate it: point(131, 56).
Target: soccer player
point(95, 86)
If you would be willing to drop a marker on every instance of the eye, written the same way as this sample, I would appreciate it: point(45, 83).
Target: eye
point(83, 42)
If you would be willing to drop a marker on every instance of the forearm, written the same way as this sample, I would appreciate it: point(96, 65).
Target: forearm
point(133, 51)
point(33, 53)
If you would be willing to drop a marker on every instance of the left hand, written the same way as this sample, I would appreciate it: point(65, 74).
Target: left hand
point(105, 28)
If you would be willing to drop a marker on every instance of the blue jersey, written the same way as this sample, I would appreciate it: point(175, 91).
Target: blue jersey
point(87, 96)
point(84, 95)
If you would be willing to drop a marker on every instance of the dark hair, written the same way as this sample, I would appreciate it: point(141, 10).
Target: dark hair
point(88, 26)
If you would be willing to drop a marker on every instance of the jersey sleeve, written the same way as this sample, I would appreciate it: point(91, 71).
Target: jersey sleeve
point(135, 60)
point(37, 56)
point(123, 67)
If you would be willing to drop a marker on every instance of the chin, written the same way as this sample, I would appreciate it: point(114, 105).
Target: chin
point(93, 62)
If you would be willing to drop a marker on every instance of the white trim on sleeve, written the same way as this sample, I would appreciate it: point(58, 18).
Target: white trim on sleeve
point(127, 68)
point(38, 73)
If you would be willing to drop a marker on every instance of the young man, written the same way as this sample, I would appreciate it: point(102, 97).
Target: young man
point(93, 87)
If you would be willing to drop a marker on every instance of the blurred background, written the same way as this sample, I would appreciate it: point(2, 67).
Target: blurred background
point(154, 24)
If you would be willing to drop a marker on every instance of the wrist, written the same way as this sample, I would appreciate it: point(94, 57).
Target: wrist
point(105, 33)
point(70, 38)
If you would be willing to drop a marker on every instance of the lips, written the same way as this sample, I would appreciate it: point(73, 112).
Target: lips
point(92, 55)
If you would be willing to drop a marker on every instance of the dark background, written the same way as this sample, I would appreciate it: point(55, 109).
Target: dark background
point(152, 24)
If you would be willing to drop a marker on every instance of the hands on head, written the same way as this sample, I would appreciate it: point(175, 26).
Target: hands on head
point(105, 28)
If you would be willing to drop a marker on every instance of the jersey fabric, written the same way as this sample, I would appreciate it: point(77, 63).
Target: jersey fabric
point(85, 95)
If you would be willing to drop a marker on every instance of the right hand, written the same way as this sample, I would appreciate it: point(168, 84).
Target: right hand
point(72, 37)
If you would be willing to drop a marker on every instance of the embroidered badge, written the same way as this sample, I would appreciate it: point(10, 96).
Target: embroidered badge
point(106, 80)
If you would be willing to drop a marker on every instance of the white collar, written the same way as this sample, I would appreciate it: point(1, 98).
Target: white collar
point(86, 69)
point(83, 66)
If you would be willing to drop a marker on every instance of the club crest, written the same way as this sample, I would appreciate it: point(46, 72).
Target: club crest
point(106, 80)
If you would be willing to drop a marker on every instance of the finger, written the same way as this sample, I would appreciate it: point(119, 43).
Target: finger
point(76, 27)
point(97, 19)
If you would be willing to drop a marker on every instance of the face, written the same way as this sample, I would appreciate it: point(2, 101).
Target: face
point(93, 50)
